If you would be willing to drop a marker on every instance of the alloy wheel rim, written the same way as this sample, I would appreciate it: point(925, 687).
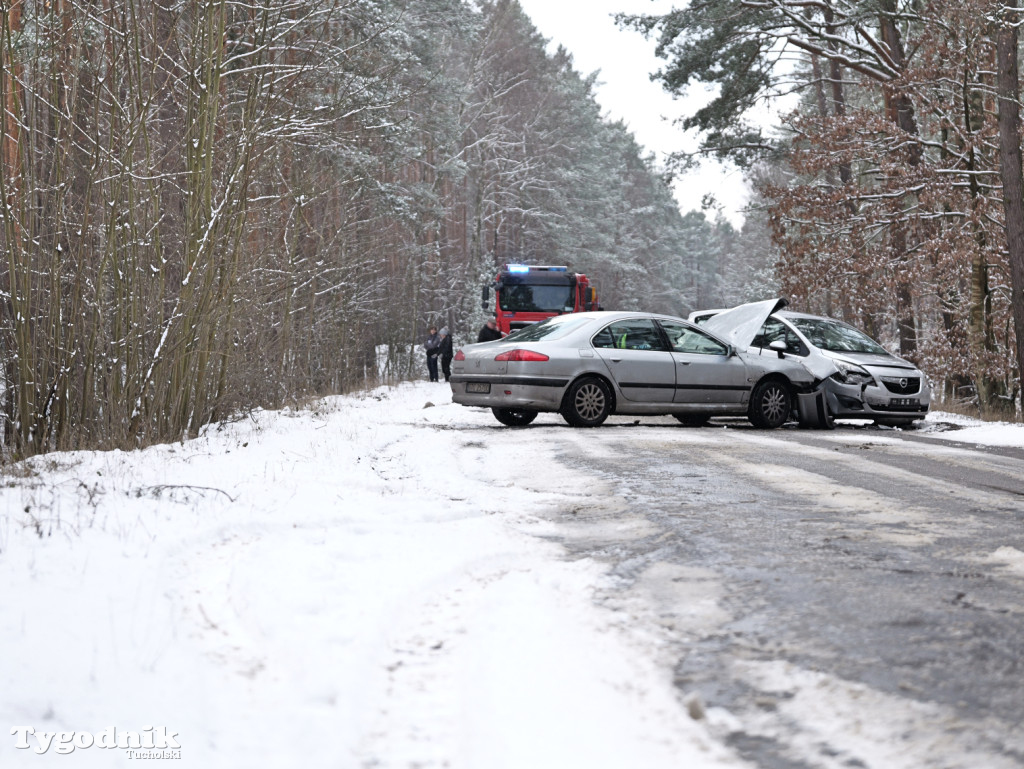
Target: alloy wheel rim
point(589, 402)
point(774, 400)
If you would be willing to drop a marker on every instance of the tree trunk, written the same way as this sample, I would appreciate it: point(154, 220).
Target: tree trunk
point(897, 103)
point(901, 111)
point(991, 392)
point(835, 73)
point(1010, 169)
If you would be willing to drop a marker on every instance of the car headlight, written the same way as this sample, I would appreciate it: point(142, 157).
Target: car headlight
point(852, 374)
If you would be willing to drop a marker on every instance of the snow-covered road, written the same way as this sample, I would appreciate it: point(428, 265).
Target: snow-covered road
point(365, 583)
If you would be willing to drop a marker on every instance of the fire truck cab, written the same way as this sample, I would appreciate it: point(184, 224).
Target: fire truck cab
point(527, 294)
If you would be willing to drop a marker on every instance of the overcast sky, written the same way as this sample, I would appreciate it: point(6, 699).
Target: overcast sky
point(625, 59)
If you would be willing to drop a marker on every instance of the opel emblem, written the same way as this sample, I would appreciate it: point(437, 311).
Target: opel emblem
point(903, 382)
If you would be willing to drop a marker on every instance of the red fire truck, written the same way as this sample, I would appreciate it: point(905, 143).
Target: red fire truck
point(526, 294)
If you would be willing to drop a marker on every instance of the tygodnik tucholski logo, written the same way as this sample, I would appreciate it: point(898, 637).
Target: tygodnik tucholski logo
point(151, 742)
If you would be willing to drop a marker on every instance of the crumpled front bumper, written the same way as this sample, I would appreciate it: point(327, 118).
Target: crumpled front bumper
point(873, 401)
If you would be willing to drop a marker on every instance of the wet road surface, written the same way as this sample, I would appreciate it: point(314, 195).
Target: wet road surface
point(860, 592)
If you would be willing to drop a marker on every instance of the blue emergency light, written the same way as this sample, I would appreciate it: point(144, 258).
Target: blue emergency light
point(527, 268)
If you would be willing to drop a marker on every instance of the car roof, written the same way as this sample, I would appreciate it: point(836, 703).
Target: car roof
point(610, 316)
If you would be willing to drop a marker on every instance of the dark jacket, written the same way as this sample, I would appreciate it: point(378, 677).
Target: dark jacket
point(432, 343)
point(445, 348)
point(488, 334)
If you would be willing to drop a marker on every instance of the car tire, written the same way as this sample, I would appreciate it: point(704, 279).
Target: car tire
point(771, 404)
point(587, 402)
point(692, 420)
point(514, 417)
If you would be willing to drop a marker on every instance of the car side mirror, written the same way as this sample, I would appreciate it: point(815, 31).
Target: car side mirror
point(485, 297)
point(779, 346)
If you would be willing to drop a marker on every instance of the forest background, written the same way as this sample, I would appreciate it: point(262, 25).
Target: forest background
point(216, 205)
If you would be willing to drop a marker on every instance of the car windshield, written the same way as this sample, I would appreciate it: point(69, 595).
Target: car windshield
point(553, 328)
point(836, 337)
point(536, 298)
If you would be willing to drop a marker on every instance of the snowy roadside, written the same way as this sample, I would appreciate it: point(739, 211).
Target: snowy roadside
point(954, 427)
point(355, 585)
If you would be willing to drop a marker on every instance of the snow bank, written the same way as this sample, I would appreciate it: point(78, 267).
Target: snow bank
point(954, 427)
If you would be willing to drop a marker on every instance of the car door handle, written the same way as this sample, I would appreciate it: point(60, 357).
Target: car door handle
point(683, 362)
point(615, 360)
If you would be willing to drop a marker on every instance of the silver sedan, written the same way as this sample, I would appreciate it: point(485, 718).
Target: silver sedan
point(587, 366)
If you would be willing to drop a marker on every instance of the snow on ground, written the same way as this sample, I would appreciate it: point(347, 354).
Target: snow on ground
point(359, 584)
point(363, 583)
point(963, 429)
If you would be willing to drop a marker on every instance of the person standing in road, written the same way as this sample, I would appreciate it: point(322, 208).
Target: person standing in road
point(489, 332)
point(445, 352)
point(432, 346)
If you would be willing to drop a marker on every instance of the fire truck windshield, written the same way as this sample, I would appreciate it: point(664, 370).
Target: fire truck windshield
point(536, 298)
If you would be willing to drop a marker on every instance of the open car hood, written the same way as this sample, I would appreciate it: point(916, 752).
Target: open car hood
point(740, 325)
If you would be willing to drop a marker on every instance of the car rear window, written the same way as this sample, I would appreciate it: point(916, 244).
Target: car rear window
point(553, 328)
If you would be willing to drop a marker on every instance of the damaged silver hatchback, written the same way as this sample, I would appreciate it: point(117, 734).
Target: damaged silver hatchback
point(855, 377)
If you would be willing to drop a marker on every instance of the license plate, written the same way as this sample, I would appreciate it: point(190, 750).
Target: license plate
point(478, 387)
point(904, 402)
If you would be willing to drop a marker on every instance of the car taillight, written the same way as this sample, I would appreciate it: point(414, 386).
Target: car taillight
point(523, 355)
point(459, 355)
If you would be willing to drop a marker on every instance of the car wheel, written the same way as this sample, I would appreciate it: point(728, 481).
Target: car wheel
point(514, 417)
point(587, 403)
point(693, 420)
point(770, 404)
